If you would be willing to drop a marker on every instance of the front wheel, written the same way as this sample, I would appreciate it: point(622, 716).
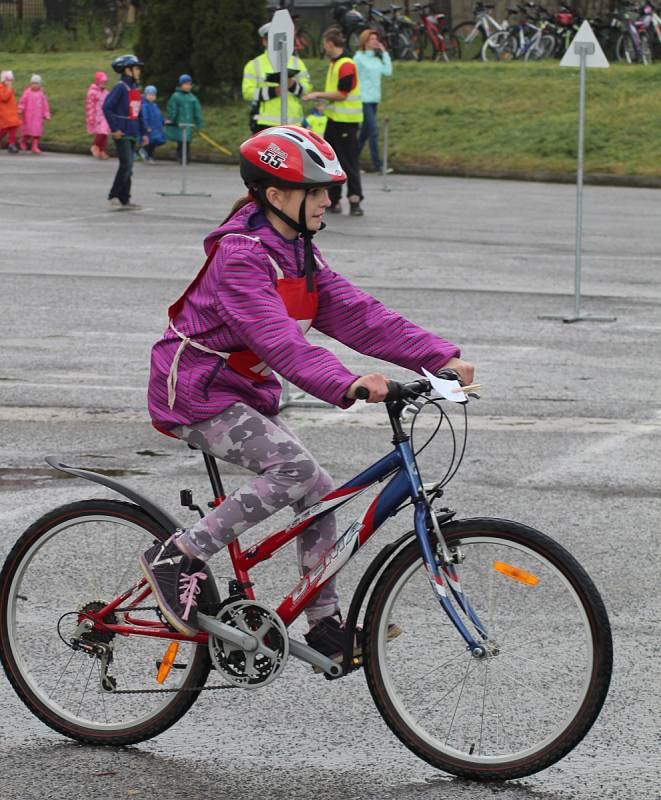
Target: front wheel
point(544, 674)
point(77, 559)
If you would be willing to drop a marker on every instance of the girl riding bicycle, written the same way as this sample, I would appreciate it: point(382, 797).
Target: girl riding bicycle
point(245, 315)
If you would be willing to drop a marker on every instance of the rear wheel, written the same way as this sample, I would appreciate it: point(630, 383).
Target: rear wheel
point(500, 46)
point(452, 48)
point(77, 559)
point(543, 49)
point(542, 679)
point(470, 40)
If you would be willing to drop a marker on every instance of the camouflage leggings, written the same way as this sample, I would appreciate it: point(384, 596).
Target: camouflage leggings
point(287, 475)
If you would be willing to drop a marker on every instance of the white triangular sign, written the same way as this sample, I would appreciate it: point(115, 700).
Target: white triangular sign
point(584, 36)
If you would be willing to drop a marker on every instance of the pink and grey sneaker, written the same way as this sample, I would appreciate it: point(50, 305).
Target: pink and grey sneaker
point(175, 581)
point(328, 636)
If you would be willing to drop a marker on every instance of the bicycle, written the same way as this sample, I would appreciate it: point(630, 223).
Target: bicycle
point(349, 21)
point(523, 39)
point(472, 34)
point(395, 30)
point(633, 44)
point(502, 668)
point(432, 40)
point(652, 22)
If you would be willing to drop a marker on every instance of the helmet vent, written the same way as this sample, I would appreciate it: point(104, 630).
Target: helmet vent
point(315, 157)
point(292, 135)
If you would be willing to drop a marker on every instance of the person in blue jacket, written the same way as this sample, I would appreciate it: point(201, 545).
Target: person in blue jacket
point(154, 123)
point(123, 111)
point(373, 63)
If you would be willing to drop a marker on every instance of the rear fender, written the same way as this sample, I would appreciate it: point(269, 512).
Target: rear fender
point(158, 514)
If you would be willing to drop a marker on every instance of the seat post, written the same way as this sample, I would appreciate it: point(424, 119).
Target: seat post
point(214, 475)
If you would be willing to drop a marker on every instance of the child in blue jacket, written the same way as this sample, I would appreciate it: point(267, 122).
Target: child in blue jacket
point(154, 124)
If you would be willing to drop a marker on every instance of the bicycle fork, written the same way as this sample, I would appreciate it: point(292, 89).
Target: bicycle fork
point(441, 571)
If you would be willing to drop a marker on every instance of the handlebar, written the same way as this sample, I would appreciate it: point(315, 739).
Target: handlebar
point(407, 391)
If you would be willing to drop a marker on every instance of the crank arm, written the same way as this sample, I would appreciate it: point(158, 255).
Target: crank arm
point(311, 656)
point(226, 632)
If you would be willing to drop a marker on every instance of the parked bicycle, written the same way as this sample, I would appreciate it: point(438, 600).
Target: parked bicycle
point(633, 45)
point(563, 25)
point(522, 40)
point(396, 30)
point(350, 21)
point(471, 34)
point(433, 40)
point(652, 25)
point(502, 667)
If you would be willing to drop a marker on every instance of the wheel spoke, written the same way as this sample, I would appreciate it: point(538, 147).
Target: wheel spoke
point(523, 705)
point(456, 705)
point(103, 539)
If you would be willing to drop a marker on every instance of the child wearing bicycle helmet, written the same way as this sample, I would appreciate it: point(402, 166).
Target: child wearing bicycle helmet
point(244, 317)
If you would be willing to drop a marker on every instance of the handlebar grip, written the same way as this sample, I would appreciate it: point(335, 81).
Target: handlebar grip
point(394, 392)
point(449, 375)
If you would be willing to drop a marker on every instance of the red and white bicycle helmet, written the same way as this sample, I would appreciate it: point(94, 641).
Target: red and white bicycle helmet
point(291, 157)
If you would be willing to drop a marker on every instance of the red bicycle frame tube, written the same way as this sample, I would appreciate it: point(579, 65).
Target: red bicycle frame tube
point(356, 535)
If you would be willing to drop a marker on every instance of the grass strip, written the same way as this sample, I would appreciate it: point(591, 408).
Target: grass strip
point(470, 116)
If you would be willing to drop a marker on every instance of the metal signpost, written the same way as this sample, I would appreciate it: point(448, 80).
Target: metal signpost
point(280, 49)
point(384, 168)
point(583, 52)
point(186, 132)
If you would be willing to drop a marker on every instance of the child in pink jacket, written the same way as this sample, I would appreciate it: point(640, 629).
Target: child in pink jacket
point(94, 116)
point(34, 109)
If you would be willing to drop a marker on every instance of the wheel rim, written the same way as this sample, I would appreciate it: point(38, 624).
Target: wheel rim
point(470, 40)
point(77, 562)
point(506, 707)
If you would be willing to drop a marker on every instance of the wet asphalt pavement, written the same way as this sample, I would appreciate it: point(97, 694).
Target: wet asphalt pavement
point(566, 438)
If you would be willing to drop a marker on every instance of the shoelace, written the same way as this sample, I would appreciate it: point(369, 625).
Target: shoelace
point(189, 589)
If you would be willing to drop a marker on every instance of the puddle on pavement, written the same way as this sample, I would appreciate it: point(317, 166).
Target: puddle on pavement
point(17, 478)
point(153, 453)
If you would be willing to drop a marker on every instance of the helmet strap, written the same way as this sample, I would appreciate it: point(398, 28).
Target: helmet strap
point(301, 227)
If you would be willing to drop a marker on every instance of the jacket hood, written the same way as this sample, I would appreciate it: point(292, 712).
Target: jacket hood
point(250, 220)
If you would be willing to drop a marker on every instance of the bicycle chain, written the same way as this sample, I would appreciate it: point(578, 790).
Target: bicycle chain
point(164, 691)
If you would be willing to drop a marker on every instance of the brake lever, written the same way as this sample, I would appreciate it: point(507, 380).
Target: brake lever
point(412, 409)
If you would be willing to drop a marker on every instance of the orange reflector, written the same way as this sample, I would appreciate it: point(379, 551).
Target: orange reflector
point(515, 573)
point(167, 662)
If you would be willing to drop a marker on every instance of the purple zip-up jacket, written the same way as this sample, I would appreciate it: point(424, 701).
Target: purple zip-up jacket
point(235, 306)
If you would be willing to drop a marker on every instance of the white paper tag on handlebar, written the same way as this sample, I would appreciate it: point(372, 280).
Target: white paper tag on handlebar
point(447, 389)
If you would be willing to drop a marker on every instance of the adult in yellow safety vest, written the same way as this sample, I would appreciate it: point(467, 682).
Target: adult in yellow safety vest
point(345, 113)
point(261, 88)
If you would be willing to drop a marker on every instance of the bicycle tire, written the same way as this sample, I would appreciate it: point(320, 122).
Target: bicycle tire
point(452, 48)
point(576, 710)
point(625, 49)
point(500, 46)
point(544, 49)
point(471, 39)
point(646, 56)
point(422, 45)
point(23, 576)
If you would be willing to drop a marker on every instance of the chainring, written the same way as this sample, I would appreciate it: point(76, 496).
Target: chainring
point(251, 669)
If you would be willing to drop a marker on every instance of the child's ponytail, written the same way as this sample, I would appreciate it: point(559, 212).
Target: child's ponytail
point(240, 203)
